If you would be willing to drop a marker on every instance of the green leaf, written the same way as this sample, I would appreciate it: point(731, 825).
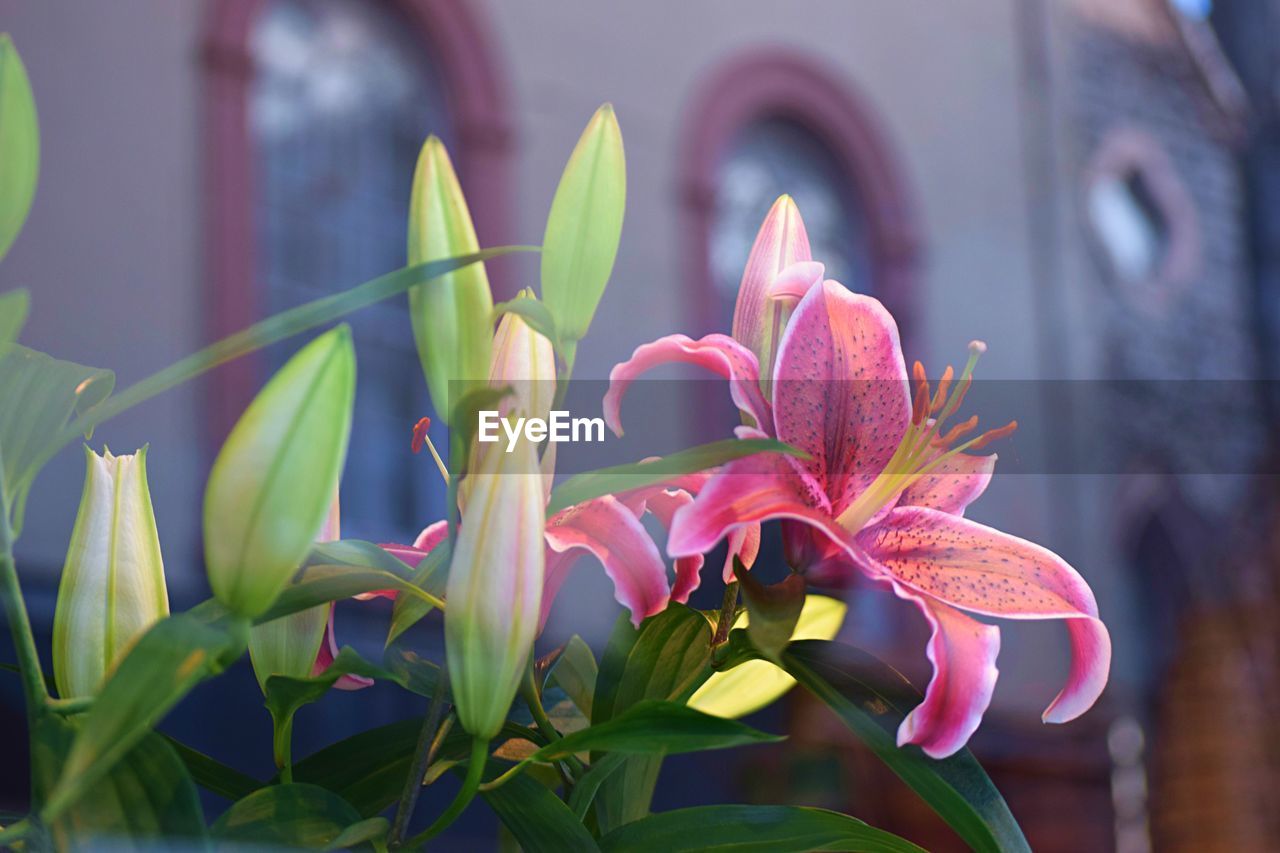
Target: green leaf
point(668, 658)
point(13, 314)
point(168, 661)
point(774, 610)
point(322, 584)
point(574, 671)
point(767, 829)
point(588, 785)
point(20, 142)
point(273, 482)
point(213, 775)
point(538, 819)
point(868, 696)
point(371, 830)
point(584, 227)
point(147, 795)
point(532, 312)
point(285, 695)
point(367, 769)
point(659, 727)
point(635, 475)
point(39, 394)
point(431, 576)
point(293, 815)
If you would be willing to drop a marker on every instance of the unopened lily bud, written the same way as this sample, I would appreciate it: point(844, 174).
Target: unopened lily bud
point(523, 359)
point(271, 486)
point(780, 243)
point(450, 315)
point(112, 587)
point(494, 592)
point(289, 646)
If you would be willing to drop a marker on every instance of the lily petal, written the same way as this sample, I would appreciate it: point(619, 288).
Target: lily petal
point(953, 485)
point(963, 653)
point(329, 652)
point(607, 529)
point(976, 568)
point(840, 390)
point(720, 354)
point(663, 505)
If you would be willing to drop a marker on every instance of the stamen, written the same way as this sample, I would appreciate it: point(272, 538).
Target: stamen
point(421, 439)
point(993, 435)
point(944, 386)
point(956, 432)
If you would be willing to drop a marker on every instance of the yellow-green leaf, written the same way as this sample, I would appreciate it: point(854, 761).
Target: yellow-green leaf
point(19, 144)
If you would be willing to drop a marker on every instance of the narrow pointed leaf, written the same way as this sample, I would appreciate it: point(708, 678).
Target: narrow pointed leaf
point(539, 820)
point(635, 475)
point(213, 775)
point(774, 610)
point(743, 829)
point(532, 311)
point(575, 671)
point(13, 315)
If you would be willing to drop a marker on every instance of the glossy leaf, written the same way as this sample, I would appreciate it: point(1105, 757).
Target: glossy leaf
point(767, 829)
point(635, 475)
point(539, 820)
point(167, 662)
point(584, 227)
point(13, 315)
point(40, 395)
point(19, 144)
point(754, 683)
point(274, 479)
point(667, 658)
point(872, 698)
point(213, 775)
point(431, 576)
point(532, 311)
point(300, 816)
point(147, 797)
point(588, 785)
point(574, 671)
point(774, 609)
point(451, 317)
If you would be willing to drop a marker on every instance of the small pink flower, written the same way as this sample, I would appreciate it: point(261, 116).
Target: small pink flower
point(882, 493)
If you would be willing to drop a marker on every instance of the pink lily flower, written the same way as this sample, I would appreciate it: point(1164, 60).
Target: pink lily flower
point(883, 494)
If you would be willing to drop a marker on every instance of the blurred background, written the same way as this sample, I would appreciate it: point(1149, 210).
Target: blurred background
point(1091, 186)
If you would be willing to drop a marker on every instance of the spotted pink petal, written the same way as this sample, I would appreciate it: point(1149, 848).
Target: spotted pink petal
point(963, 653)
point(976, 568)
point(840, 390)
point(328, 652)
point(781, 242)
point(746, 492)
point(607, 529)
point(720, 354)
point(956, 483)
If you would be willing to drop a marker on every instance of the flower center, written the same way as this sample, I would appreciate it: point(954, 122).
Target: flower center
point(927, 443)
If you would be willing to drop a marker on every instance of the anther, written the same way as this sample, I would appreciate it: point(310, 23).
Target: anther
point(944, 386)
point(420, 434)
point(993, 435)
point(957, 431)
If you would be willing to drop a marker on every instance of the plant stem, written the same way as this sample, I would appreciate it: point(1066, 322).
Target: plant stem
point(282, 744)
point(533, 698)
point(727, 609)
point(470, 785)
point(15, 611)
point(423, 753)
point(77, 705)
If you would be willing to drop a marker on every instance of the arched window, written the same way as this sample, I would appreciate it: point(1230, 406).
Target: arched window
point(318, 109)
point(769, 123)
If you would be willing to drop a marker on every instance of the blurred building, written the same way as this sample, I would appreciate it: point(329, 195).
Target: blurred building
point(1091, 186)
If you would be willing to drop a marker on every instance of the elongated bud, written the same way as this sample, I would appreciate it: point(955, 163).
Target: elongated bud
point(112, 586)
point(272, 483)
point(450, 315)
point(584, 228)
point(290, 646)
point(780, 243)
point(495, 587)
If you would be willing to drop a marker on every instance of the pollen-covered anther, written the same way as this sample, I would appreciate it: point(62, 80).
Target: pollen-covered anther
point(993, 435)
point(420, 434)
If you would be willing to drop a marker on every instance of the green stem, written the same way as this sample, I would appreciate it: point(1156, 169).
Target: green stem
point(15, 610)
point(427, 745)
point(282, 745)
point(77, 705)
point(15, 832)
point(727, 609)
point(470, 785)
point(533, 698)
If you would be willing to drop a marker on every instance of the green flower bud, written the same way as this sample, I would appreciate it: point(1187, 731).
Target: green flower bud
point(495, 587)
point(451, 315)
point(273, 480)
point(112, 587)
